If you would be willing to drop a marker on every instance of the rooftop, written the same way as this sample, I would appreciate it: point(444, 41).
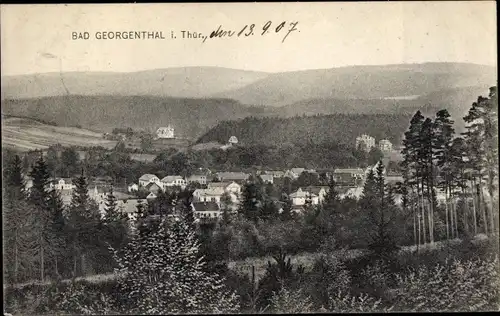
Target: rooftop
point(147, 177)
point(206, 206)
point(171, 178)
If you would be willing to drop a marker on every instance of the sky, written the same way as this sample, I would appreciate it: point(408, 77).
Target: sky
point(38, 38)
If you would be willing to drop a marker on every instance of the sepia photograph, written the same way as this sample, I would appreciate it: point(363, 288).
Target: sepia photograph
point(249, 158)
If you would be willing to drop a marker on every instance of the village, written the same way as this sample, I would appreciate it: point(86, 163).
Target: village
point(211, 189)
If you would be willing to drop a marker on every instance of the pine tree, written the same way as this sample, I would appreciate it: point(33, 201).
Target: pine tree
point(413, 167)
point(161, 272)
point(21, 239)
point(111, 207)
point(39, 193)
point(57, 227)
point(443, 141)
point(39, 197)
point(427, 158)
point(84, 223)
point(378, 203)
point(249, 205)
point(482, 139)
point(15, 180)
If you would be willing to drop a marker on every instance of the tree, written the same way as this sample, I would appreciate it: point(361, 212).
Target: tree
point(21, 239)
point(161, 272)
point(15, 180)
point(249, 205)
point(38, 193)
point(443, 141)
point(482, 138)
point(39, 198)
point(69, 160)
point(57, 227)
point(146, 142)
point(84, 223)
point(378, 204)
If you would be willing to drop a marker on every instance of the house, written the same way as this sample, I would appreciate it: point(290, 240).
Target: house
point(201, 179)
point(385, 145)
point(165, 132)
point(232, 176)
point(319, 191)
point(267, 178)
point(275, 174)
point(231, 187)
point(174, 181)
point(233, 140)
point(148, 178)
point(208, 195)
point(133, 187)
point(206, 210)
point(62, 184)
point(365, 142)
point(28, 182)
point(153, 188)
point(300, 197)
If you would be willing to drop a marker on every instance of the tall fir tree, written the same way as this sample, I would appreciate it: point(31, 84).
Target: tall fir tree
point(249, 205)
point(443, 141)
point(161, 272)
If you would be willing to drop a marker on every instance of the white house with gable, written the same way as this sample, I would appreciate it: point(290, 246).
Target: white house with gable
point(174, 181)
point(165, 132)
point(148, 178)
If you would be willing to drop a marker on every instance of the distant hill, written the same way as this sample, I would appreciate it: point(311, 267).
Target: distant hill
point(189, 117)
point(361, 82)
point(24, 134)
point(338, 128)
point(185, 82)
point(456, 100)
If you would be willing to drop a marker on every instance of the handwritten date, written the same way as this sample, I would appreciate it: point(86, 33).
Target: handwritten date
point(252, 29)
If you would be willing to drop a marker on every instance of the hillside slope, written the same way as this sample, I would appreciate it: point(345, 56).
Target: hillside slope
point(189, 117)
point(361, 82)
point(189, 82)
point(25, 134)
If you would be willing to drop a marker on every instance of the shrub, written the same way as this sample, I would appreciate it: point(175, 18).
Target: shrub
point(290, 301)
point(471, 285)
point(82, 299)
point(341, 302)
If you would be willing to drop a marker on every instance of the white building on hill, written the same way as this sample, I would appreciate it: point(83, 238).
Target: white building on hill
point(165, 132)
point(366, 142)
point(385, 145)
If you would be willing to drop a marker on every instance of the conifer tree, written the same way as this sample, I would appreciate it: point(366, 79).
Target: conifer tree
point(249, 205)
point(15, 183)
point(58, 242)
point(84, 223)
point(39, 193)
point(161, 272)
point(21, 238)
point(443, 141)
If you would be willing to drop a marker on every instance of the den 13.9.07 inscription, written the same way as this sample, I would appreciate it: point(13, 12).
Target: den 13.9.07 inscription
point(270, 28)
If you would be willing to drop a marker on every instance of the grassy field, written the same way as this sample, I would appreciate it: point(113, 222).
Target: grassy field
point(25, 134)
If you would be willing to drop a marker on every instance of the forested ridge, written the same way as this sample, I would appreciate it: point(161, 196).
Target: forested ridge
point(339, 128)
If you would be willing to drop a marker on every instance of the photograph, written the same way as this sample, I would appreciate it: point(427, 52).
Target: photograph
point(249, 158)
